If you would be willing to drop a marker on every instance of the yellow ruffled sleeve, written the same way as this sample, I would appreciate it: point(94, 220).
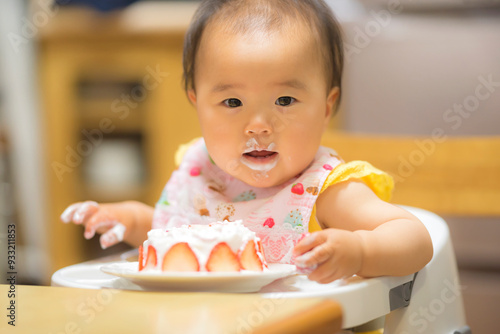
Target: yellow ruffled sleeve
point(181, 151)
point(380, 182)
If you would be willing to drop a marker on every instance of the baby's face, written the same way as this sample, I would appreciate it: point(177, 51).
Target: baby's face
point(262, 102)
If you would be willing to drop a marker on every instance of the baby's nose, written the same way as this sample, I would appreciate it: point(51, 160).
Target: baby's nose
point(258, 126)
point(258, 131)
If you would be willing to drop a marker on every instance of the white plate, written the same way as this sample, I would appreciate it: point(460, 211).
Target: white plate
point(244, 281)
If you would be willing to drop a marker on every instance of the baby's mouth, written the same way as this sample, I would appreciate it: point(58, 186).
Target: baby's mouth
point(260, 155)
point(260, 160)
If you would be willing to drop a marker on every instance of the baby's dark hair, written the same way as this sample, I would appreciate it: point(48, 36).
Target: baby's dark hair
point(247, 15)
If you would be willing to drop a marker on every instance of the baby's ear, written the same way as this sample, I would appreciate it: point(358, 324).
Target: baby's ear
point(331, 99)
point(192, 96)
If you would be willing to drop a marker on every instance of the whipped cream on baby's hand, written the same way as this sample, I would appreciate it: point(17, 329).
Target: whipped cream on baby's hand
point(306, 270)
point(301, 259)
point(113, 236)
point(97, 218)
point(77, 212)
point(302, 267)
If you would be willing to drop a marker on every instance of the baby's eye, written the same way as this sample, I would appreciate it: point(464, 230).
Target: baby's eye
point(233, 103)
point(284, 101)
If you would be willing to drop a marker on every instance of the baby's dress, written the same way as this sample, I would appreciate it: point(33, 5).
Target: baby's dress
point(199, 192)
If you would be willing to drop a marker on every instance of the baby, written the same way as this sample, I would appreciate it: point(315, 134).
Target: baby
point(265, 78)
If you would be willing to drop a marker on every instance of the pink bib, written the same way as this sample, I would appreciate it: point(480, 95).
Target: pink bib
point(199, 192)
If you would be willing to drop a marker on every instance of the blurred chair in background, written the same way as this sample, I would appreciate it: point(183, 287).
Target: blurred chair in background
point(445, 175)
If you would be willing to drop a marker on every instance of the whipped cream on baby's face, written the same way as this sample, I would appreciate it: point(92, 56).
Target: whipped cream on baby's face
point(258, 157)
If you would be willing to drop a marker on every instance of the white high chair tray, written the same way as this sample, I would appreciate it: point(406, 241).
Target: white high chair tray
point(351, 293)
point(362, 299)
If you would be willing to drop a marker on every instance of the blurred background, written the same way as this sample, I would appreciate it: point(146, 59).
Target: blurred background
point(92, 107)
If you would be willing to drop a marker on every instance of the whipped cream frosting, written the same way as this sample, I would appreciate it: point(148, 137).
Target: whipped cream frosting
point(201, 238)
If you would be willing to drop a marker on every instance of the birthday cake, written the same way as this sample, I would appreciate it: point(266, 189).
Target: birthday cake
point(221, 246)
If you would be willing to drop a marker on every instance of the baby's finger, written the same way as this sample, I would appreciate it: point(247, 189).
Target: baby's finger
point(308, 243)
point(113, 236)
point(306, 270)
point(316, 256)
point(328, 278)
point(84, 212)
point(67, 215)
point(324, 274)
point(98, 222)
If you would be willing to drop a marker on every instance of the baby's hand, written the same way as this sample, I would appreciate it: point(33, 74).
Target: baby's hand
point(102, 219)
point(330, 254)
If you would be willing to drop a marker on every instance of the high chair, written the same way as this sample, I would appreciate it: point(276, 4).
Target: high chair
point(445, 175)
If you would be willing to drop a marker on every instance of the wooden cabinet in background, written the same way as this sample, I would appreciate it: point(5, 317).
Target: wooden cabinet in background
point(109, 80)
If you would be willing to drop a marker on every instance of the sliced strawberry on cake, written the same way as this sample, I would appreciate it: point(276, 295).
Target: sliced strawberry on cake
point(180, 257)
point(249, 258)
point(222, 258)
point(151, 258)
point(141, 258)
